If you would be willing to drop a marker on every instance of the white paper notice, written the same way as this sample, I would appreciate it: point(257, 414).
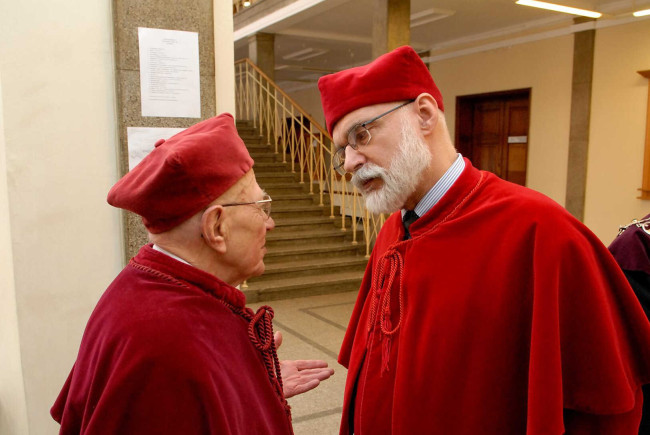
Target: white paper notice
point(141, 140)
point(169, 73)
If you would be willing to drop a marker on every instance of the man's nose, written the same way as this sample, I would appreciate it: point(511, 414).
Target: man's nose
point(353, 160)
point(270, 224)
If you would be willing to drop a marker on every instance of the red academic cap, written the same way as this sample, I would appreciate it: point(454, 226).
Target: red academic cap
point(398, 75)
point(184, 174)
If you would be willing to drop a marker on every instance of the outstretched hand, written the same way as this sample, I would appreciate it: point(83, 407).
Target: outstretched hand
point(300, 376)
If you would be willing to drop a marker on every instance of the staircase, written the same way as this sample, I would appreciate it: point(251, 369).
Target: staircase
point(308, 253)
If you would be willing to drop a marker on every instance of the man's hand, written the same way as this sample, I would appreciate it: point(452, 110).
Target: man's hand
point(300, 376)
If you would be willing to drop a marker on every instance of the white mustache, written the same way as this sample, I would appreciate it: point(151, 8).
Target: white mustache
point(367, 172)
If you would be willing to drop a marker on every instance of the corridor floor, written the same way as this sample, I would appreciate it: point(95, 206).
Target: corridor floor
point(313, 328)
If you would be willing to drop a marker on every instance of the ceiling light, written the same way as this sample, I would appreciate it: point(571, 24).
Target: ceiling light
point(247, 3)
point(305, 54)
point(642, 13)
point(298, 53)
point(559, 8)
point(428, 16)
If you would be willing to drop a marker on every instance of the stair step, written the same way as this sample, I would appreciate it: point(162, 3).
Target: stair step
point(250, 137)
point(282, 211)
point(285, 188)
point(275, 177)
point(246, 131)
point(317, 263)
point(299, 252)
point(263, 157)
point(303, 286)
point(286, 223)
point(281, 239)
point(311, 267)
point(278, 156)
point(261, 167)
point(259, 148)
point(282, 199)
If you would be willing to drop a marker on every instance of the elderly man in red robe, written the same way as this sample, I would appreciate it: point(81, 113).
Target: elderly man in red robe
point(171, 347)
point(486, 308)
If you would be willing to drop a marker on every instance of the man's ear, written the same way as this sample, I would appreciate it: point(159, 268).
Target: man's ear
point(214, 228)
point(427, 111)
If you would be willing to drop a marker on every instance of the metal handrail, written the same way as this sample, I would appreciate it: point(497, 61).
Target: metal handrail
point(303, 143)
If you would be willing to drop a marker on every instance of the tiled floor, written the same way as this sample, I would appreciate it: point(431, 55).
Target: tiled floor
point(313, 328)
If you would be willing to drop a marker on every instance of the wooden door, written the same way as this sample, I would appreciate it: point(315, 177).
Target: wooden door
point(492, 131)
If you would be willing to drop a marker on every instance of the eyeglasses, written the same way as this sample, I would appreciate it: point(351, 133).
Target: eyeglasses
point(264, 204)
point(357, 136)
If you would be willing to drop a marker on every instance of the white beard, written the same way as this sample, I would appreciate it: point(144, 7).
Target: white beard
point(400, 179)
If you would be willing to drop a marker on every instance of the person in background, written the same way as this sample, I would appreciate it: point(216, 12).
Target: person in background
point(631, 249)
point(171, 347)
point(486, 308)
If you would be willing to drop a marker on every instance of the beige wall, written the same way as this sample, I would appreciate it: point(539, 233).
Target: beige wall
point(60, 130)
point(545, 66)
point(13, 410)
point(617, 134)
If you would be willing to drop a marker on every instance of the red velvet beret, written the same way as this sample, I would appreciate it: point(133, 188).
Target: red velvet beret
point(398, 75)
point(182, 175)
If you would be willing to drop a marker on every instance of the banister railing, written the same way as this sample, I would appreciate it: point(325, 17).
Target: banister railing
point(303, 143)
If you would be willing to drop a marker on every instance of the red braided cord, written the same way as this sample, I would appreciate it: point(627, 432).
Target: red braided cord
point(397, 265)
point(382, 299)
point(375, 290)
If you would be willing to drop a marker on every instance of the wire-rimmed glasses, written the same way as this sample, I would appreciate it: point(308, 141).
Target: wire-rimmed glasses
point(358, 135)
point(264, 204)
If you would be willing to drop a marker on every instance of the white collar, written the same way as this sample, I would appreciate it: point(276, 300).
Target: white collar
point(175, 257)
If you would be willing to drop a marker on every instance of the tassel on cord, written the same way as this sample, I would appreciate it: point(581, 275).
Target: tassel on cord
point(380, 290)
point(260, 332)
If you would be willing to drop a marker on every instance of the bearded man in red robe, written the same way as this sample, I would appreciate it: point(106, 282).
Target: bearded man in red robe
point(171, 347)
point(486, 308)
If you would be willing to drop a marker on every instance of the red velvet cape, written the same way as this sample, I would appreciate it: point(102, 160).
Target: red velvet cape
point(162, 354)
point(513, 318)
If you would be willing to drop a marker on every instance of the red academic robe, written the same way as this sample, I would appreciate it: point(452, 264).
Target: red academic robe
point(163, 354)
point(502, 315)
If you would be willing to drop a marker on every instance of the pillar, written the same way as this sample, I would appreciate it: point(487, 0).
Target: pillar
point(391, 26)
point(261, 51)
point(583, 64)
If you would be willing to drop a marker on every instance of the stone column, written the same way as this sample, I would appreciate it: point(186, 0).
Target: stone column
point(583, 65)
point(261, 51)
point(391, 25)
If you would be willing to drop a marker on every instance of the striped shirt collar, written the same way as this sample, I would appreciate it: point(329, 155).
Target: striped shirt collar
point(440, 188)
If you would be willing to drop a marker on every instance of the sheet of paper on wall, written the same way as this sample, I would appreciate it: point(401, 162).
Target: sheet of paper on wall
point(170, 83)
point(141, 140)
